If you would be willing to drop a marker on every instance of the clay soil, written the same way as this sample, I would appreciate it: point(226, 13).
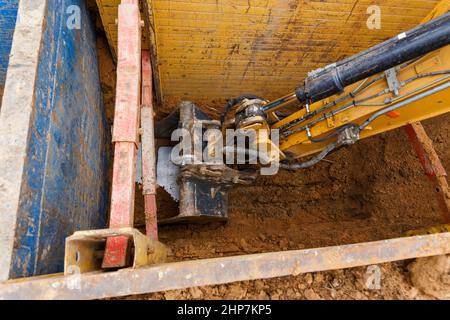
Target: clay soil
point(371, 191)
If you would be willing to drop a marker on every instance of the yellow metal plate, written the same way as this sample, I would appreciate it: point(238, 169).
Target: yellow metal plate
point(210, 49)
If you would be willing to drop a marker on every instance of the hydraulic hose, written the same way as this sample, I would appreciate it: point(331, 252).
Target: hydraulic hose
point(406, 46)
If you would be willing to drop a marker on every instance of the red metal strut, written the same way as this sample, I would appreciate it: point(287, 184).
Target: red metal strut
point(125, 132)
point(432, 165)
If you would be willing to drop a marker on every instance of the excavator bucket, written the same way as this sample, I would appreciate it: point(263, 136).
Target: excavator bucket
point(202, 198)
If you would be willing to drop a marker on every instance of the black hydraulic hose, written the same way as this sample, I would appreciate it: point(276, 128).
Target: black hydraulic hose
point(314, 160)
point(406, 46)
point(336, 144)
point(333, 134)
point(295, 166)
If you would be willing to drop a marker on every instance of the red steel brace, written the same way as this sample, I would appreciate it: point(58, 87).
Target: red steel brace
point(432, 165)
point(125, 131)
point(148, 149)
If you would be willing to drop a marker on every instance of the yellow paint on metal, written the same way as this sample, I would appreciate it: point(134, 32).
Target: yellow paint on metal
point(209, 49)
point(108, 12)
point(299, 145)
point(432, 230)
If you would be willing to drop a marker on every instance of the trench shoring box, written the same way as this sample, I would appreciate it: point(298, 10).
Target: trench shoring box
point(53, 154)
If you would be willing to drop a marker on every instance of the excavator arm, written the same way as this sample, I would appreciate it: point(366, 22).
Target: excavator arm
point(400, 81)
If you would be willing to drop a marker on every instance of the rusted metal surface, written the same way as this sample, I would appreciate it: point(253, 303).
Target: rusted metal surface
point(84, 250)
point(224, 270)
point(151, 218)
point(126, 131)
point(204, 183)
point(432, 165)
point(148, 149)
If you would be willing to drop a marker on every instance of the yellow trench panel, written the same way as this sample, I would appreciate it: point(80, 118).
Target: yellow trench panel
point(210, 49)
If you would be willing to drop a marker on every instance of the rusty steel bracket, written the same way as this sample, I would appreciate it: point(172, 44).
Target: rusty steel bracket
point(85, 249)
point(432, 166)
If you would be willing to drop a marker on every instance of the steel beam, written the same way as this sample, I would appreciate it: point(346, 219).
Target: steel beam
point(148, 149)
point(183, 275)
point(125, 131)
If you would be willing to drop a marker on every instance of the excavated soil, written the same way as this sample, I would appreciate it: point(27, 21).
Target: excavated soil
point(432, 276)
point(373, 190)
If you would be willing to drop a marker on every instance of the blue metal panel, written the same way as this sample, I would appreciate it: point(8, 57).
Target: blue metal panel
point(65, 184)
point(8, 14)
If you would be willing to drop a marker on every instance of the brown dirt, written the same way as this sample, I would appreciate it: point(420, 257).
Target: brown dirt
point(107, 71)
point(432, 276)
point(346, 284)
point(373, 190)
